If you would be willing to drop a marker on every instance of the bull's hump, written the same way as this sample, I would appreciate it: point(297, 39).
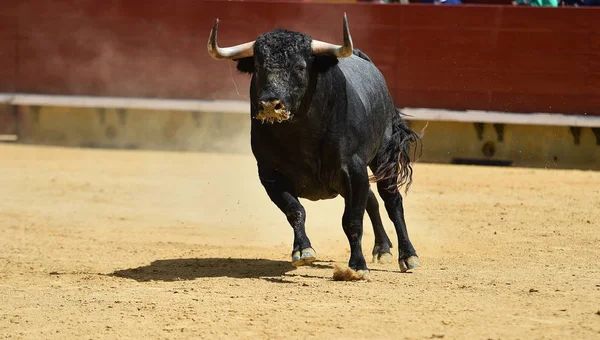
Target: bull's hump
point(359, 69)
point(364, 78)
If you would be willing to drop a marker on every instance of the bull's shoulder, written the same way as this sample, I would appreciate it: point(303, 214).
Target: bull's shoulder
point(362, 55)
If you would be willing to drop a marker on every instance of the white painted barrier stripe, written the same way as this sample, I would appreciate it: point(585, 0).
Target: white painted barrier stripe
point(503, 118)
point(228, 106)
point(243, 107)
point(5, 98)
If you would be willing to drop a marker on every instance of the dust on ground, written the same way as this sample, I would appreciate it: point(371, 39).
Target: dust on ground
point(141, 244)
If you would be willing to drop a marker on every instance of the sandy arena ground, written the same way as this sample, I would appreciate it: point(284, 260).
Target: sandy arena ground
point(140, 244)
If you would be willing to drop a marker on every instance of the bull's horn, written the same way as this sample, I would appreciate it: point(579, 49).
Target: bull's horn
point(320, 47)
point(228, 53)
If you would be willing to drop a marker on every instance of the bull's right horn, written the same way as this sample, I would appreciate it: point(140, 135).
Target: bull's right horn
point(344, 51)
point(227, 53)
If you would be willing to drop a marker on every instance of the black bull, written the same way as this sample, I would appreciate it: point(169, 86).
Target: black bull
point(329, 116)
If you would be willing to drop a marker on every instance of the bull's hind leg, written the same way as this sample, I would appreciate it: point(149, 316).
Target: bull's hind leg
point(392, 167)
point(407, 257)
point(286, 200)
point(381, 250)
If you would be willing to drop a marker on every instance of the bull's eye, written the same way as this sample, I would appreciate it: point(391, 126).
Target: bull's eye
point(301, 68)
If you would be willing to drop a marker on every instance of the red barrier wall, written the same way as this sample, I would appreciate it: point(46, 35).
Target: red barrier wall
point(502, 58)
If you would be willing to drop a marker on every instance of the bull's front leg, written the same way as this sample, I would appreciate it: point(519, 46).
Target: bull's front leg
point(282, 194)
point(355, 190)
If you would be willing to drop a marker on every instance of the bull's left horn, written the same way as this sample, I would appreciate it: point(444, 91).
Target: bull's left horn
point(228, 53)
point(320, 47)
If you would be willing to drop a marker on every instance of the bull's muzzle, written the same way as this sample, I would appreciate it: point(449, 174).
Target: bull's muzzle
point(272, 111)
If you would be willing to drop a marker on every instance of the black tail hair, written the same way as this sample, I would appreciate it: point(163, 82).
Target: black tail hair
point(395, 160)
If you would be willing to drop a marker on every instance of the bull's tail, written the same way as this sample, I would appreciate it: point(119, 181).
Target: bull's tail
point(394, 160)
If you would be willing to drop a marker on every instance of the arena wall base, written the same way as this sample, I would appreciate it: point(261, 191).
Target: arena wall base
point(496, 139)
point(544, 146)
point(134, 129)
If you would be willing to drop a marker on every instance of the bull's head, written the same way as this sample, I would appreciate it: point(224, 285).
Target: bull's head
point(281, 63)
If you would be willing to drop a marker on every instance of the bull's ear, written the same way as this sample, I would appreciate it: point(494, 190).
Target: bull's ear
point(323, 63)
point(245, 65)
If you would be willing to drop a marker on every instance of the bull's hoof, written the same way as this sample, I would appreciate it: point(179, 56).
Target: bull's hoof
point(409, 263)
point(383, 258)
point(306, 256)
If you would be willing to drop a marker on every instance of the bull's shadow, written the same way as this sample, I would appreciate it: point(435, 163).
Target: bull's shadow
point(190, 269)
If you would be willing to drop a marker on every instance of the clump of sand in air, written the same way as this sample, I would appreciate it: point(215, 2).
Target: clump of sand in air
point(346, 274)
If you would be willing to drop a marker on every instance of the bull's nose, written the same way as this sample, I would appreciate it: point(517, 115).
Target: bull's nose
point(273, 105)
point(272, 111)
